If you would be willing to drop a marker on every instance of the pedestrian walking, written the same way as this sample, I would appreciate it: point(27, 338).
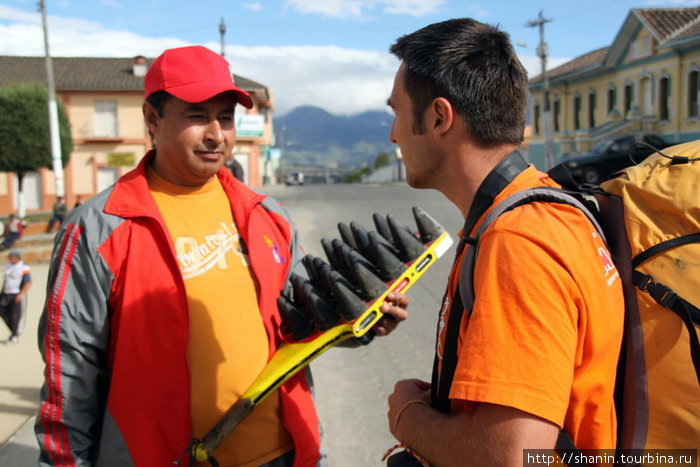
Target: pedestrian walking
point(13, 298)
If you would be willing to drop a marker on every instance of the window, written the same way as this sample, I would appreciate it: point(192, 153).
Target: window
point(612, 99)
point(577, 112)
point(557, 113)
point(106, 119)
point(537, 118)
point(693, 94)
point(591, 109)
point(628, 98)
point(664, 90)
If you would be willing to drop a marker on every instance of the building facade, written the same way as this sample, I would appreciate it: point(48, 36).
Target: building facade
point(645, 81)
point(103, 99)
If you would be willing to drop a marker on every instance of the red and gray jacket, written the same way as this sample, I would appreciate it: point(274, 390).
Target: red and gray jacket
point(114, 329)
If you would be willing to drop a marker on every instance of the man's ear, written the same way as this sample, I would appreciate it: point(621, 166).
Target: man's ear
point(150, 116)
point(443, 116)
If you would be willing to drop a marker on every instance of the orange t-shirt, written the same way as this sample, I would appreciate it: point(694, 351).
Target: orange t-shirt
point(228, 344)
point(546, 328)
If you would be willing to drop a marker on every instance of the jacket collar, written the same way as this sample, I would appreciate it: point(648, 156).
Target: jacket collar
point(131, 197)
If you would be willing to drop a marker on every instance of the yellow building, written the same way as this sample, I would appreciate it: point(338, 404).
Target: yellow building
point(103, 99)
point(645, 81)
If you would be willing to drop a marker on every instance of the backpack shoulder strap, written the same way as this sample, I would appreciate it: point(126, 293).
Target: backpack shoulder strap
point(667, 297)
point(464, 296)
point(537, 194)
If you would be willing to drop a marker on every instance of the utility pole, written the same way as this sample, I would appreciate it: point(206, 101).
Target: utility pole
point(222, 31)
point(542, 52)
point(53, 112)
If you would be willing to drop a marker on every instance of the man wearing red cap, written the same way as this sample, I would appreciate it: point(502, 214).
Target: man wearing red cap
point(162, 297)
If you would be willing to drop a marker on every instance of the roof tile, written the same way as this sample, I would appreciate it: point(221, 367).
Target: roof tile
point(84, 73)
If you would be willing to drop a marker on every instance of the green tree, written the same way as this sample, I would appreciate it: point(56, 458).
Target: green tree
point(25, 138)
point(382, 160)
point(356, 177)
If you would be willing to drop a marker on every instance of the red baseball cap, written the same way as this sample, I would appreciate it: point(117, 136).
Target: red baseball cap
point(193, 74)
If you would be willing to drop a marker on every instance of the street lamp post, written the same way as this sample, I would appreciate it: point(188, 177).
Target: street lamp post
point(222, 31)
point(57, 164)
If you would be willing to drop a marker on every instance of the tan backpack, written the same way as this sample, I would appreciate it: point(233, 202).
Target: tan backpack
point(649, 216)
point(661, 391)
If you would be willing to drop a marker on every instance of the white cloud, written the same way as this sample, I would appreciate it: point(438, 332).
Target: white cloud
point(252, 6)
point(342, 81)
point(339, 80)
point(73, 37)
point(359, 8)
point(331, 8)
point(477, 11)
point(415, 8)
point(13, 14)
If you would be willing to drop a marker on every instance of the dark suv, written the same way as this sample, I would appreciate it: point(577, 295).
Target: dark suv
point(610, 156)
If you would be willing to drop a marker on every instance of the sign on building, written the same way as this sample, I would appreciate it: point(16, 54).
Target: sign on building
point(252, 126)
point(121, 159)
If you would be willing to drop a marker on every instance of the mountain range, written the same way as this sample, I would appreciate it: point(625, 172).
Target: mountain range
point(311, 137)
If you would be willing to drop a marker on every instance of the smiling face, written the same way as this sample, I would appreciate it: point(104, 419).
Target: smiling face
point(192, 140)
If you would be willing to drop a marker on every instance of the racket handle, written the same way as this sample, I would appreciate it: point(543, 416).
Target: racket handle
point(233, 416)
point(367, 337)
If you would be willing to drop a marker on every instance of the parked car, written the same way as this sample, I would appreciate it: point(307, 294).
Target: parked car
point(610, 156)
point(295, 178)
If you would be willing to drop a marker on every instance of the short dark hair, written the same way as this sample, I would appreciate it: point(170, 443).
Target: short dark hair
point(474, 66)
point(158, 100)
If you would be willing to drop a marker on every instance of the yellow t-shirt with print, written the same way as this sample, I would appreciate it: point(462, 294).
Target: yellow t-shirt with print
point(228, 345)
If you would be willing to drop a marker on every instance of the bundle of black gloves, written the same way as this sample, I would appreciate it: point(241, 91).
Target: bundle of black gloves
point(361, 267)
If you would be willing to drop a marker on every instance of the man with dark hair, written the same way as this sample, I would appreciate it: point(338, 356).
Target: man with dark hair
point(537, 351)
point(162, 297)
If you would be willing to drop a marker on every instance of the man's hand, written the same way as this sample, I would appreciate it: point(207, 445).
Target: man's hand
point(406, 393)
point(394, 309)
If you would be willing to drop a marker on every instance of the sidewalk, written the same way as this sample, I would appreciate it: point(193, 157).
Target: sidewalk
point(21, 375)
point(21, 449)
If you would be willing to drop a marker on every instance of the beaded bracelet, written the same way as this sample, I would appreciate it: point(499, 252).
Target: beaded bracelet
point(413, 453)
point(401, 410)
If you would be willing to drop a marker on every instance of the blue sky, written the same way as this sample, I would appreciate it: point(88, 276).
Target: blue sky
point(328, 53)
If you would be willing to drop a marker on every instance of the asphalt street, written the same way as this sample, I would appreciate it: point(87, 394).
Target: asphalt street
point(352, 385)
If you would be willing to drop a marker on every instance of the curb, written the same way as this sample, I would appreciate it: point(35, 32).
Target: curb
point(21, 448)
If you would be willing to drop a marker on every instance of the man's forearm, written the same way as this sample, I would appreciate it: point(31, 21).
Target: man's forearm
point(491, 435)
point(436, 437)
